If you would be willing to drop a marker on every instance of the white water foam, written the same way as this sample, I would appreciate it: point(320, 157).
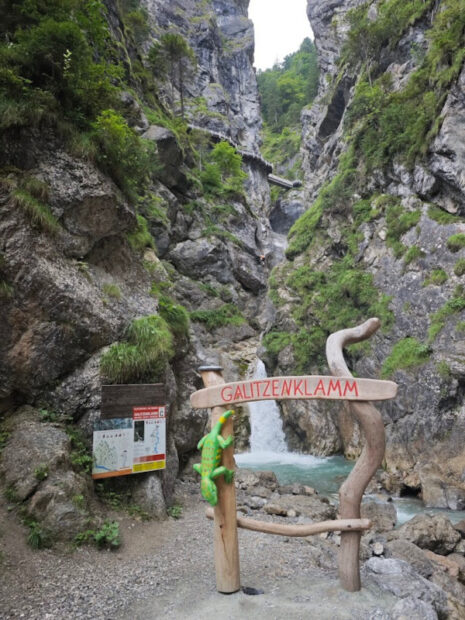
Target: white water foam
point(265, 421)
point(267, 457)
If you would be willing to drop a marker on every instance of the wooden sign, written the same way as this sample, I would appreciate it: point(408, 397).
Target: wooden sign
point(130, 436)
point(119, 400)
point(297, 388)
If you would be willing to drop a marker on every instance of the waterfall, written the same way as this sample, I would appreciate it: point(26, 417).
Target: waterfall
point(265, 421)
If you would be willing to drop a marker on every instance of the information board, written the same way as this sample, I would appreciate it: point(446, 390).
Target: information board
point(136, 442)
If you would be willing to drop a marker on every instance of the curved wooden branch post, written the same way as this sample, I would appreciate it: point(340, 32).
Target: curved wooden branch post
point(371, 423)
point(220, 395)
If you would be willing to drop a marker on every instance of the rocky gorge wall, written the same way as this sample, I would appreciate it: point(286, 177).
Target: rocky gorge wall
point(382, 236)
point(72, 289)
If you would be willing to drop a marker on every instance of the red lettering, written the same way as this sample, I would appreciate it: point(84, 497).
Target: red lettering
point(320, 388)
point(297, 387)
point(257, 385)
point(226, 394)
point(286, 388)
point(306, 387)
point(275, 385)
point(267, 387)
point(248, 396)
point(334, 385)
point(238, 393)
point(351, 388)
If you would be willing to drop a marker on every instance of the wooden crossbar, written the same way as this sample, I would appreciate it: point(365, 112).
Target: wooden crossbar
point(297, 388)
point(296, 530)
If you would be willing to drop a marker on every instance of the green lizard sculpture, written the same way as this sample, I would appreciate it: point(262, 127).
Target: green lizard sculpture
point(209, 468)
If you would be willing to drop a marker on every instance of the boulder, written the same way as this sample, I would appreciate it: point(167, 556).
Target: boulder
point(383, 515)
point(34, 450)
point(148, 494)
point(312, 507)
point(170, 155)
point(435, 533)
point(407, 551)
point(400, 579)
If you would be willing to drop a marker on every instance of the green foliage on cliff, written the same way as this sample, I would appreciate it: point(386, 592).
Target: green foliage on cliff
point(452, 306)
point(148, 348)
point(175, 315)
point(55, 59)
point(406, 353)
point(228, 314)
point(384, 123)
point(456, 242)
point(222, 175)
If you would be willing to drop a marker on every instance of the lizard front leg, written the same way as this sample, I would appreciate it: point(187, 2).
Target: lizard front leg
point(225, 443)
point(228, 473)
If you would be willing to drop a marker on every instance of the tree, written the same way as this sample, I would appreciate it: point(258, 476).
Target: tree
point(174, 58)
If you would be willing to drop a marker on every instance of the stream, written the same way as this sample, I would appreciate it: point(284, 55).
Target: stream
point(325, 474)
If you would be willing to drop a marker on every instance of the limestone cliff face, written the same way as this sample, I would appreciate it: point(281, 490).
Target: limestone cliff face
point(70, 292)
point(405, 247)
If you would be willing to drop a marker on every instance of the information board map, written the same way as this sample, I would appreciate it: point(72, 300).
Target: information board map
point(130, 445)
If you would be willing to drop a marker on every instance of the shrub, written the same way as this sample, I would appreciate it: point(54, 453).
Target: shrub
point(412, 254)
point(148, 348)
point(222, 174)
point(437, 277)
point(406, 353)
point(126, 157)
point(175, 315)
point(459, 267)
point(228, 314)
point(140, 238)
point(107, 537)
point(112, 290)
point(452, 306)
point(456, 242)
point(38, 212)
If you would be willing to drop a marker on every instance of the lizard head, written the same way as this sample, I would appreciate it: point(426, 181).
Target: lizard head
point(208, 489)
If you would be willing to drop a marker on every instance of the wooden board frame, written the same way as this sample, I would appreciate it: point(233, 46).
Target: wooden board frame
point(340, 386)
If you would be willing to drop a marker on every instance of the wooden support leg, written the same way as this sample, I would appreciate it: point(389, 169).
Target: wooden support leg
point(226, 546)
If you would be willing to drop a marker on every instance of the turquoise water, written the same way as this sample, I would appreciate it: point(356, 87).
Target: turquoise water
point(326, 475)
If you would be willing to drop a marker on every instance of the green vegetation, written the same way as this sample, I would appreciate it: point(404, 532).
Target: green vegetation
point(175, 511)
point(405, 354)
point(6, 290)
point(412, 254)
point(37, 538)
point(175, 315)
point(383, 123)
point(444, 370)
point(437, 277)
point(173, 58)
point(107, 537)
point(41, 472)
point(456, 242)
point(288, 87)
point(80, 456)
point(148, 348)
point(284, 91)
point(459, 267)
point(121, 153)
point(222, 175)
point(37, 211)
point(228, 314)
point(4, 435)
point(452, 306)
point(112, 290)
point(443, 217)
point(140, 238)
point(398, 223)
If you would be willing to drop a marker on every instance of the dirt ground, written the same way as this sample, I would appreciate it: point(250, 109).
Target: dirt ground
point(166, 569)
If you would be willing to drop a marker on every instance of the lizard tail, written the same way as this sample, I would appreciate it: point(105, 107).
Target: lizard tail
point(225, 416)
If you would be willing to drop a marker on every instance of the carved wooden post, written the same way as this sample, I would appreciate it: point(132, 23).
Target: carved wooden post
point(226, 546)
point(371, 423)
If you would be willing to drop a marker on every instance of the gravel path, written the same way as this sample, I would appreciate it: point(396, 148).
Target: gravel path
point(167, 568)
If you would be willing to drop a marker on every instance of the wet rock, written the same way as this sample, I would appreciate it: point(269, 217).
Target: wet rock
point(248, 479)
point(383, 515)
point(400, 579)
point(435, 533)
point(460, 527)
point(296, 489)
